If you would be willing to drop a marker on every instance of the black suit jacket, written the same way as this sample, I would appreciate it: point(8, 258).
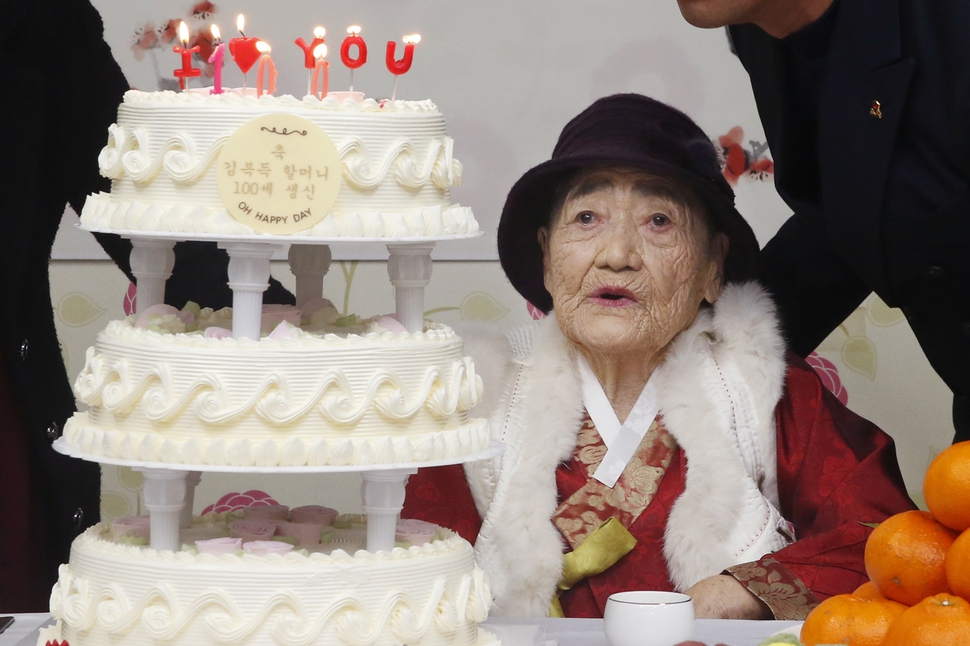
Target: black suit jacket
point(61, 90)
point(913, 58)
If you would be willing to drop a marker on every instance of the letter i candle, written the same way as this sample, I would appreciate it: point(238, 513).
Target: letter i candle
point(186, 72)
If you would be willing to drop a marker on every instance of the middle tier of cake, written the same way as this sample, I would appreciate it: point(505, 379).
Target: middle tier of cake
point(315, 400)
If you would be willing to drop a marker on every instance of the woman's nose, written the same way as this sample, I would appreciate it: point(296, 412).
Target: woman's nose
point(618, 247)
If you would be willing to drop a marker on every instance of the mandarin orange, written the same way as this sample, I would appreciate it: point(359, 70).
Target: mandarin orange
point(958, 566)
point(942, 619)
point(868, 590)
point(848, 619)
point(946, 486)
point(905, 556)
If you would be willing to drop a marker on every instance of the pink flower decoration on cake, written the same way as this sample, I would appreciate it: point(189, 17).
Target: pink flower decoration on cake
point(252, 529)
point(313, 514)
point(130, 302)
point(416, 532)
point(829, 375)
point(235, 501)
point(265, 548)
point(535, 312)
point(267, 512)
point(304, 533)
point(219, 546)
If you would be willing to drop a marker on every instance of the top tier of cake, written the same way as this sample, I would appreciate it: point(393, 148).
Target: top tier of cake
point(397, 162)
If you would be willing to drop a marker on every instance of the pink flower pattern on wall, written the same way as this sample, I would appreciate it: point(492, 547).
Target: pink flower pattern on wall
point(738, 161)
point(829, 375)
point(149, 37)
point(235, 500)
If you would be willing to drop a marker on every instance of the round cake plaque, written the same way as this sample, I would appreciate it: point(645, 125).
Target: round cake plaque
point(279, 174)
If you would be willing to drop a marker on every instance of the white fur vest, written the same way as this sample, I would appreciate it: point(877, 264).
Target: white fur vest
point(718, 388)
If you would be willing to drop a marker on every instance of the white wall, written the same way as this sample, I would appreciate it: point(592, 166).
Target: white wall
point(507, 75)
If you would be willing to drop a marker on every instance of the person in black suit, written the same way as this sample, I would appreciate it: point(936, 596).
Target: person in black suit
point(61, 92)
point(866, 109)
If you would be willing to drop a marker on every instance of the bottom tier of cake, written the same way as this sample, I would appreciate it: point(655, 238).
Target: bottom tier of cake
point(112, 593)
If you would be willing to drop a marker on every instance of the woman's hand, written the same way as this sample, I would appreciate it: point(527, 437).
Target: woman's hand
point(722, 597)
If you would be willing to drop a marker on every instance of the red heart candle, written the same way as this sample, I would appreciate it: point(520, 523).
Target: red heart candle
point(243, 50)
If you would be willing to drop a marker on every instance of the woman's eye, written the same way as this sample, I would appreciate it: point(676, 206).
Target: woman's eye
point(586, 218)
point(659, 219)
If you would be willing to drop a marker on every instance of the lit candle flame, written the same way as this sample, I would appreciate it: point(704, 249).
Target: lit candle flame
point(320, 52)
point(183, 34)
point(319, 32)
point(241, 24)
point(413, 39)
point(216, 34)
point(354, 30)
point(263, 47)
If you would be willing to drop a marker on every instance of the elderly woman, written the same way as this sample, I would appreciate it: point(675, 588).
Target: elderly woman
point(656, 437)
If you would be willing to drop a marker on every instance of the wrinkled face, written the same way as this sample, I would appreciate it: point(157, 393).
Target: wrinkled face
point(627, 263)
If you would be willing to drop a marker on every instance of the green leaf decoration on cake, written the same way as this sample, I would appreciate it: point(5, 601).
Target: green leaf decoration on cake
point(859, 354)
point(882, 315)
point(77, 309)
point(479, 306)
point(114, 505)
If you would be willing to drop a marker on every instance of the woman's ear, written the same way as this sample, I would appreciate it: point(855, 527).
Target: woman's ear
point(715, 283)
point(543, 237)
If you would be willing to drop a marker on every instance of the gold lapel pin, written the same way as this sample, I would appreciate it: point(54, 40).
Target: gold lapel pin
point(876, 110)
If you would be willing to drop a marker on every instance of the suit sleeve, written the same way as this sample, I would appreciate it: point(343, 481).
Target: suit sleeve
point(837, 476)
point(812, 287)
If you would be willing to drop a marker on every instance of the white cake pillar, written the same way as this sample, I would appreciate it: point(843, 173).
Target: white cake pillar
point(152, 260)
point(382, 493)
point(248, 279)
point(309, 263)
point(164, 493)
point(409, 267)
point(192, 480)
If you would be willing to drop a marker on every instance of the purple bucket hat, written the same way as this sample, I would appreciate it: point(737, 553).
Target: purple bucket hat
point(631, 131)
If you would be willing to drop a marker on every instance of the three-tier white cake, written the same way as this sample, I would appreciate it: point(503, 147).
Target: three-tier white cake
point(372, 399)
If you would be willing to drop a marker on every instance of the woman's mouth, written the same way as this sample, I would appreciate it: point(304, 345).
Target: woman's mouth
point(613, 297)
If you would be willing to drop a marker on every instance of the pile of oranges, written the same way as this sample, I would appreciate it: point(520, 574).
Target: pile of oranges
point(919, 572)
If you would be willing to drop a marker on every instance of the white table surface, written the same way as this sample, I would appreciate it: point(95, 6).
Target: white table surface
point(515, 632)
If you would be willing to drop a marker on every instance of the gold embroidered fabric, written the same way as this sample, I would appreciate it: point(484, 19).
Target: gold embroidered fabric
point(595, 503)
point(784, 593)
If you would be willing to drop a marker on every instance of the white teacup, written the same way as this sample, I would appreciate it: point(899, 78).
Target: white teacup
point(648, 618)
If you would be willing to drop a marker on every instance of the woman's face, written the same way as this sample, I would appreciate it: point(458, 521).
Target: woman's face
point(627, 264)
